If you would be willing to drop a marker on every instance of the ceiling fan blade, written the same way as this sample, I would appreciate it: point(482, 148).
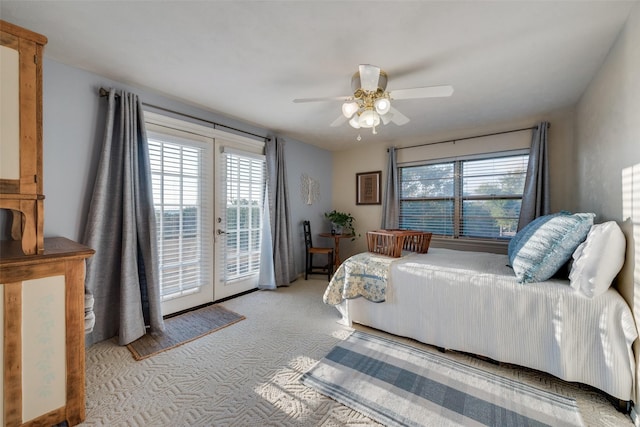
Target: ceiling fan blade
point(369, 76)
point(340, 120)
point(386, 118)
point(330, 98)
point(422, 92)
point(398, 118)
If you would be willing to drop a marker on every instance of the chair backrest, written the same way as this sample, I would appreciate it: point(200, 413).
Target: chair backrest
point(307, 234)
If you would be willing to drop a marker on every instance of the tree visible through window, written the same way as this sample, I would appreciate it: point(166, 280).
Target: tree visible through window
point(478, 198)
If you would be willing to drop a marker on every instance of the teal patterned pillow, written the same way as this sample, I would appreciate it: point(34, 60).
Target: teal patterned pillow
point(517, 241)
point(541, 254)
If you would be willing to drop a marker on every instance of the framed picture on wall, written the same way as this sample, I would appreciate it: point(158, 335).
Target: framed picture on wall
point(368, 188)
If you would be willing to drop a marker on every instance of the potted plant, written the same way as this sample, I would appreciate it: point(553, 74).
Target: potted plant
point(342, 223)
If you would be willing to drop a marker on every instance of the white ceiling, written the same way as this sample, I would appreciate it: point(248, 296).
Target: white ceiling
point(507, 60)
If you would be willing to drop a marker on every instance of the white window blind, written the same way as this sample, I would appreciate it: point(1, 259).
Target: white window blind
point(475, 198)
point(181, 170)
point(427, 198)
point(492, 196)
point(244, 185)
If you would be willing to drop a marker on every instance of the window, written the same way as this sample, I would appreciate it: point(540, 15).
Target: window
point(470, 198)
point(179, 171)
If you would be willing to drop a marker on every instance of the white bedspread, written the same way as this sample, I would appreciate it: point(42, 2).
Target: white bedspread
point(471, 302)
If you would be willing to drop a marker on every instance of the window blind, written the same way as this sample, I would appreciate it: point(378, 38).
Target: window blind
point(427, 198)
point(492, 196)
point(475, 198)
point(180, 169)
point(243, 185)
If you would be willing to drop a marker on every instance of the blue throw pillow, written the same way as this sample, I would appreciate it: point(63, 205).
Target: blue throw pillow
point(540, 252)
point(522, 236)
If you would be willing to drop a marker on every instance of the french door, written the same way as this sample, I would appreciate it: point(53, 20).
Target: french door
point(182, 182)
point(208, 190)
point(240, 186)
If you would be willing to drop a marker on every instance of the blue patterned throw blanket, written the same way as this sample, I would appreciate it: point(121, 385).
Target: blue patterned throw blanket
point(362, 275)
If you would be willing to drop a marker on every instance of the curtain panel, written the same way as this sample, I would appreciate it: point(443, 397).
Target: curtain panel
point(390, 203)
point(123, 275)
point(267, 274)
point(283, 262)
point(535, 197)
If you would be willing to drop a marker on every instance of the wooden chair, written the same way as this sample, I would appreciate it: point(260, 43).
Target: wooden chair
point(311, 250)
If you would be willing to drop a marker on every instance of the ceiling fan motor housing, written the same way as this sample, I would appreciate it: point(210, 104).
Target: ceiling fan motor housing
point(365, 103)
point(356, 83)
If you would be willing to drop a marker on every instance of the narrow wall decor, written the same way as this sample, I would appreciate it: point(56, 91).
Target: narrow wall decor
point(309, 189)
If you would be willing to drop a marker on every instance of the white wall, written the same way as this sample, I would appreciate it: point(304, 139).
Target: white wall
point(72, 137)
point(315, 163)
point(367, 157)
point(607, 146)
point(608, 126)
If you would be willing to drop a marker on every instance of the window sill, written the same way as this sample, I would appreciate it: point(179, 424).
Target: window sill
point(474, 245)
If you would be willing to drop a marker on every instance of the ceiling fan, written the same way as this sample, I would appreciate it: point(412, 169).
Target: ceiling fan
point(370, 103)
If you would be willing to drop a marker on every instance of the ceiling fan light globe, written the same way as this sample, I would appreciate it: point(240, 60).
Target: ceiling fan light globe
point(354, 122)
point(369, 118)
point(382, 106)
point(349, 109)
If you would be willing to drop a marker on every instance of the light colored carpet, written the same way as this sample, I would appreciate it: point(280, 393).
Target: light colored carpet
point(249, 374)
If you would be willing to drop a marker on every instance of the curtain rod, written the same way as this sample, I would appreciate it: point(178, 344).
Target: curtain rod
point(104, 92)
point(469, 137)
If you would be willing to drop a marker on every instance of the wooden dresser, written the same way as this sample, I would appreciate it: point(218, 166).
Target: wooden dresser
point(41, 280)
point(43, 309)
point(21, 180)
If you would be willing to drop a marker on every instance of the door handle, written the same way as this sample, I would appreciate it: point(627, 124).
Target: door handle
point(219, 232)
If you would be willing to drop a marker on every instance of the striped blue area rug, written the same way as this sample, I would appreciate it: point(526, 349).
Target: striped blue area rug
point(399, 385)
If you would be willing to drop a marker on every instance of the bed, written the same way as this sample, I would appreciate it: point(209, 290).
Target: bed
point(473, 302)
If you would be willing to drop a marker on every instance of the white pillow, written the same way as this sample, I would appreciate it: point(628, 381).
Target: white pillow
point(598, 259)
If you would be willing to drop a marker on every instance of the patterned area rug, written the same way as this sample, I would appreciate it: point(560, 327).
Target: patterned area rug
point(184, 328)
point(400, 385)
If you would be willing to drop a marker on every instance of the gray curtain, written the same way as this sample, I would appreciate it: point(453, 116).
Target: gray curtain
point(267, 274)
point(390, 207)
point(283, 261)
point(535, 198)
point(123, 274)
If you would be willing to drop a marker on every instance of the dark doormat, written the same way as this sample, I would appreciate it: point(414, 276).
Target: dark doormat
point(184, 328)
